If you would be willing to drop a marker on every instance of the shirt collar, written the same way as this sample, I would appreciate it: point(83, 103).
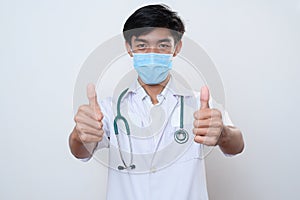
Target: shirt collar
point(173, 86)
point(136, 88)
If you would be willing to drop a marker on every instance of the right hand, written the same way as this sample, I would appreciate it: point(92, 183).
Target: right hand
point(89, 119)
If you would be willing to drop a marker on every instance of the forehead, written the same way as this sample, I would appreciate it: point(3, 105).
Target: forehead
point(155, 35)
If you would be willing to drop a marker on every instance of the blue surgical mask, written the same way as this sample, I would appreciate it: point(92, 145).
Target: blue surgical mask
point(152, 68)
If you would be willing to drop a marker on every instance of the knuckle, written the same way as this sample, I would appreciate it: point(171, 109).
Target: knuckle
point(100, 137)
point(101, 133)
point(196, 139)
point(77, 118)
point(84, 137)
point(82, 108)
point(195, 131)
point(101, 115)
point(209, 121)
point(195, 123)
point(80, 129)
point(218, 123)
point(217, 113)
point(196, 114)
point(100, 125)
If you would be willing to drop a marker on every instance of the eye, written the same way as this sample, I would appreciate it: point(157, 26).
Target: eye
point(164, 46)
point(141, 46)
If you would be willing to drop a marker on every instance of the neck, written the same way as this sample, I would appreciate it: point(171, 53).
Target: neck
point(154, 90)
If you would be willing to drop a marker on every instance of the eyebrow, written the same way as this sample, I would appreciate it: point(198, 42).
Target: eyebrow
point(165, 40)
point(140, 40)
point(162, 40)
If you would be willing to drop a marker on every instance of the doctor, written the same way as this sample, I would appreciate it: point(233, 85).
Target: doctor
point(155, 44)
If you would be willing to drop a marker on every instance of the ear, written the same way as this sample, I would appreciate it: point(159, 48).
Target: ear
point(128, 48)
point(177, 48)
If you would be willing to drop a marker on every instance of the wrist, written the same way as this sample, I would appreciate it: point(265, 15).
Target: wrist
point(75, 136)
point(79, 148)
point(223, 136)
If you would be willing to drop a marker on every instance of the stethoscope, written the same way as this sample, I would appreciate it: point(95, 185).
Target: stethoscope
point(181, 136)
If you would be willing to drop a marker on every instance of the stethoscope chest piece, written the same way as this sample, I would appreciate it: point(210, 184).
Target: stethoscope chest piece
point(181, 136)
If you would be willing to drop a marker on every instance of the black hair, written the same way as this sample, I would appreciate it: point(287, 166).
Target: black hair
point(146, 18)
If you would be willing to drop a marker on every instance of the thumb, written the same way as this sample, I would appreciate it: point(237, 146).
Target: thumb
point(204, 97)
point(92, 96)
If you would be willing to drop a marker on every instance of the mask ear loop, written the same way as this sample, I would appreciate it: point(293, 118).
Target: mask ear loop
point(174, 53)
point(130, 52)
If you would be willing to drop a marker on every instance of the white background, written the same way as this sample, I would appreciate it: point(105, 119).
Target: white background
point(254, 44)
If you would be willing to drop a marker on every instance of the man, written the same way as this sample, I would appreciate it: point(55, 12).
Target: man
point(153, 36)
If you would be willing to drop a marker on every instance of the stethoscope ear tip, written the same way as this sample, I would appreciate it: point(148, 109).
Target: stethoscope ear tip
point(132, 166)
point(122, 167)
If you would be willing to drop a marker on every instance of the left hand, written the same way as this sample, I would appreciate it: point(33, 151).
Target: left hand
point(208, 124)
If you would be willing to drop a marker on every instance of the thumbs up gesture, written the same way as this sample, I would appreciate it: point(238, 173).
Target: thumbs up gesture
point(89, 119)
point(208, 123)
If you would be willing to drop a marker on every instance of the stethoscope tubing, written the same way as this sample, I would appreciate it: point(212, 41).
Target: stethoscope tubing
point(119, 117)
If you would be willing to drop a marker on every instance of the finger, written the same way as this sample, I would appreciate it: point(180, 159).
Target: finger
point(87, 111)
point(90, 138)
point(200, 131)
point(205, 123)
point(86, 129)
point(199, 139)
point(204, 97)
point(84, 120)
point(205, 140)
point(92, 96)
point(203, 114)
point(202, 123)
point(208, 132)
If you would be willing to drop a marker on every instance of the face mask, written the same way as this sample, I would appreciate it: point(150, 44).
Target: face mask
point(152, 68)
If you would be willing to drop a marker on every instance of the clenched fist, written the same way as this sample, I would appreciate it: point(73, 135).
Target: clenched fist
point(208, 124)
point(89, 119)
